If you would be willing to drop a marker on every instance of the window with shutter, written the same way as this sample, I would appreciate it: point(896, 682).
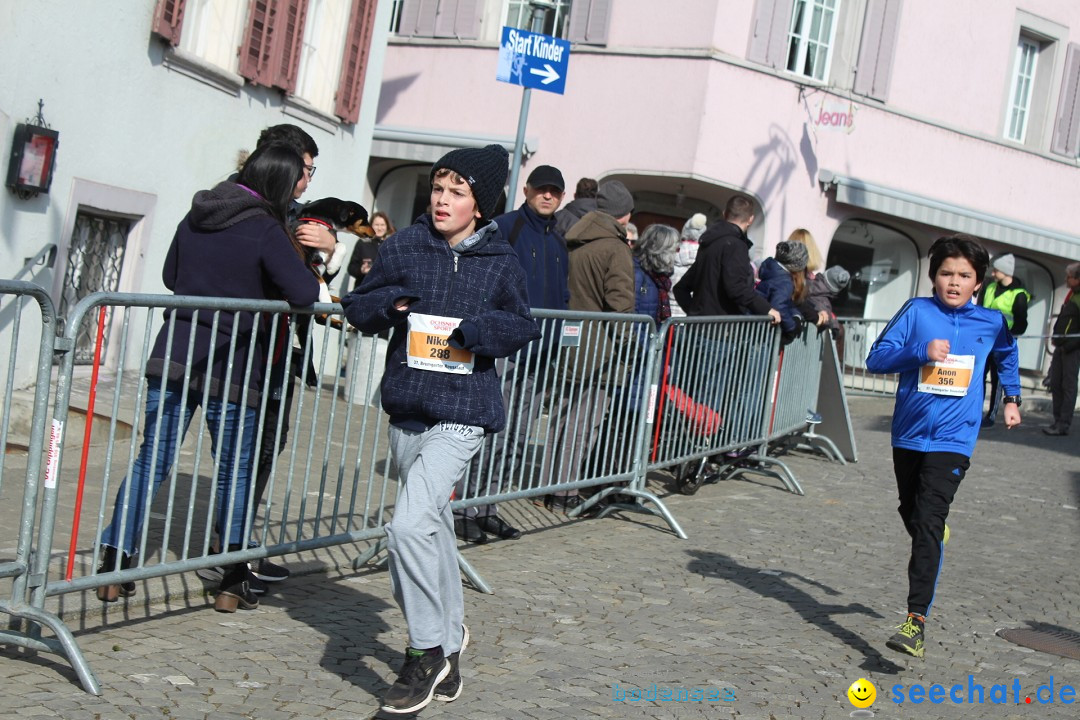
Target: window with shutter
point(418, 18)
point(458, 19)
point(589, 21)
point(1067, 122)
point(769, 36)
point(877, 48)
point(256, 50)
point(169, 19)
point(354, 60)
point(288, 42)
point(270, 51)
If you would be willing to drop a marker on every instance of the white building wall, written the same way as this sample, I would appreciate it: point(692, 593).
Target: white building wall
point(142, 135)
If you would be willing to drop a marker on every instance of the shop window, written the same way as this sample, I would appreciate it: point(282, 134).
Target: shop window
point(883, 264)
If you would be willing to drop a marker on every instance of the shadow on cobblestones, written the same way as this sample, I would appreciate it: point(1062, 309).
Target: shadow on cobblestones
point(780, 586)
point(352, 621)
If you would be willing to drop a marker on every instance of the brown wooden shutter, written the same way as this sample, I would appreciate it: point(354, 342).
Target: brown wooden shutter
point(256, 50)
point(877, 48)
point(169, 19)
point(288, 41)
point(589, 21)
point(1066, 139)
point(270, 52)
point(769, 35)
point(418, 18)
point(354, 60)
point(458, 19)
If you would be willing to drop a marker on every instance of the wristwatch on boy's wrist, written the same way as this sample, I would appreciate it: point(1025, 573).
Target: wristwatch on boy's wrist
point(1015, 399)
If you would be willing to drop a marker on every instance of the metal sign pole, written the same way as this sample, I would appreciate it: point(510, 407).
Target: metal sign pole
point(540, 9)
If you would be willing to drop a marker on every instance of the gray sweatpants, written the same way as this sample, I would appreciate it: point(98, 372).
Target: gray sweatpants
point(420, 538)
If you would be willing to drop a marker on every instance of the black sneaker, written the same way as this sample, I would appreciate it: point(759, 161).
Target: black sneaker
point(415, 684)
point(256, 585)
point(449, 689)
point(211, 574)
point(268, 571)
point(909, 637)
point(561, 504)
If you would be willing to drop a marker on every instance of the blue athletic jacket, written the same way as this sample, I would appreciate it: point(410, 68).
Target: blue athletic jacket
point(480, 282)
point(939, 423)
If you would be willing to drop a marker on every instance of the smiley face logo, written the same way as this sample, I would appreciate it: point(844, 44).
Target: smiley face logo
point(861, 693)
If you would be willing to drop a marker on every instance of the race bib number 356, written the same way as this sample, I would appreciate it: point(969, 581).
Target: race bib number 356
point(429, 345)
point(951, 376)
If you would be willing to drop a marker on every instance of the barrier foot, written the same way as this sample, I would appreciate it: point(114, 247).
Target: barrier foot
point(783, 474)
point(474, 577)
point(645, 495)
point(827, 447)
point(370, 553)
point(63, 644)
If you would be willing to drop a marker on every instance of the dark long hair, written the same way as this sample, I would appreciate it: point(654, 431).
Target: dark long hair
point(273, 171)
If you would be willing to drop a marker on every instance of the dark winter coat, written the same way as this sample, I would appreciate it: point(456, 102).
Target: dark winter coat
point(1068, 323)
point(601, 280)
point(646, 293)
point(228, 245)
point(542, 252)
point(777, 287)
point(721, 280)
point(483, 285)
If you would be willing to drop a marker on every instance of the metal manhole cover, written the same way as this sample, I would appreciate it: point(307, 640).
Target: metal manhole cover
point(1056, 642)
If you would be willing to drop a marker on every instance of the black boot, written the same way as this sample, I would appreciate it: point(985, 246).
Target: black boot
point(112, 593)
point(235, 591)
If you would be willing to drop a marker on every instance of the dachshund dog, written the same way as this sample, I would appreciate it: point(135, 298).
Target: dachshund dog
point(334, 214)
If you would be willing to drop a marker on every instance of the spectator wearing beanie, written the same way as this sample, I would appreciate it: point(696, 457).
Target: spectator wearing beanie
point(689, 242)
point(451, 268)
point(783, 284)
point(1006, 294)
point(601, 280)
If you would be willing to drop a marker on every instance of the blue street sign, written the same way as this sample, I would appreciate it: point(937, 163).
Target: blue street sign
point(533, 60)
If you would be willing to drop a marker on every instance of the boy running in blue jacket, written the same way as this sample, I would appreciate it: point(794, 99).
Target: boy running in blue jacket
point(940, 346)
point(453, 291)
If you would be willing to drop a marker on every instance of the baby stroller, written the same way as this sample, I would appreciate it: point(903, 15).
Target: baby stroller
point(680, 419)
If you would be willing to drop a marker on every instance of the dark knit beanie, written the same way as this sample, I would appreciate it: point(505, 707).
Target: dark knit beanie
point(484, 169)
point(792, 255)
point(614, 199)
point(837, 278)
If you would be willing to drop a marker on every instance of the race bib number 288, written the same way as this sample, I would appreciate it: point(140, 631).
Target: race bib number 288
point(429, 345)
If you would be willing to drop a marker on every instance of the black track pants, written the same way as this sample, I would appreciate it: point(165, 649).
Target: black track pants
point(926, 484)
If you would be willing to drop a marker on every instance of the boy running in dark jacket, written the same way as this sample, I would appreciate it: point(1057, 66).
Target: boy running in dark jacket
point(940, 346)
point(453, 291)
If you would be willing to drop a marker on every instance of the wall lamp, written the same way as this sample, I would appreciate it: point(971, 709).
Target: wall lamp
point(33, 156)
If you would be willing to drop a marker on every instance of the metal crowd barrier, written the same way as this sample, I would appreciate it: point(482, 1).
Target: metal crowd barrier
point(582, 404)
point(712, 389)
point(28, 567)
point(331, 486)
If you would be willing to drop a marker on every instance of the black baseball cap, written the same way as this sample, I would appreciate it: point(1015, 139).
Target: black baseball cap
point(545, 175)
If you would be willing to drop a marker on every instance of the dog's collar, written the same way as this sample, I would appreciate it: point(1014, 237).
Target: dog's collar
point(317, 221)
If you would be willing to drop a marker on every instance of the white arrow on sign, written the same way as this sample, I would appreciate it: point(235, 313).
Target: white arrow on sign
point(548, 73)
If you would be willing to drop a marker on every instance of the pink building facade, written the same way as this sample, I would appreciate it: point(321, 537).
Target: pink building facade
point(879, 125)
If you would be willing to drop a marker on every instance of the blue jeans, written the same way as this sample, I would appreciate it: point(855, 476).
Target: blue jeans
point(158, 452)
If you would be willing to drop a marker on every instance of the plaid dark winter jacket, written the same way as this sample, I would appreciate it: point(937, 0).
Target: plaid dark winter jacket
point(484, 286)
